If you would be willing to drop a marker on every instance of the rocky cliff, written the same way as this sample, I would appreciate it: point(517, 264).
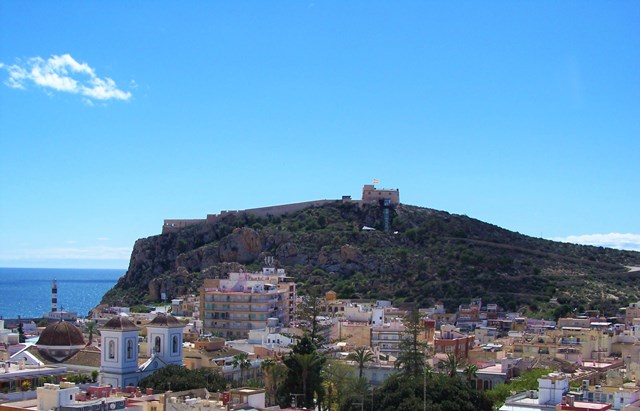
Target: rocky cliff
point(427, 256)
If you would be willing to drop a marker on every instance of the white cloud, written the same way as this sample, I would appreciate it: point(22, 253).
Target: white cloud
point(612, 240)
point(64, 74)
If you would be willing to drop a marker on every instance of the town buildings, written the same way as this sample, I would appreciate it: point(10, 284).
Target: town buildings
point(243, 302)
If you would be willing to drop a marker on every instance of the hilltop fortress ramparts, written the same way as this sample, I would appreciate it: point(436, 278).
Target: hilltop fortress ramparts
point(370, 195)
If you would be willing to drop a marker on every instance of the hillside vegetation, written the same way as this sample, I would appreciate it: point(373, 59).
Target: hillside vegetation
point(427, 256)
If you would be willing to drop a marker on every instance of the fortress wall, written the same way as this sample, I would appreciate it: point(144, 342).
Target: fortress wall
point(277, 210)
point(173, 225)
point(369, 195)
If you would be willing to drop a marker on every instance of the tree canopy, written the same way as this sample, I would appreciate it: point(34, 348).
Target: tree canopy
point(438, 392)
point(304, 378)
point(178, 378)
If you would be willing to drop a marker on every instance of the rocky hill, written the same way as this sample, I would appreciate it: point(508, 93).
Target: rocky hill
point(427, 256)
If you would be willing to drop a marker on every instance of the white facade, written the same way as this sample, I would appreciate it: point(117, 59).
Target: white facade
point(119, 358)
point(119, 351)
point(52, 395)
point(377, 316)
point(552, 388)
point(165, 342)
point(269, 338)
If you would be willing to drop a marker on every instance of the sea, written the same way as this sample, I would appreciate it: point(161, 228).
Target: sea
point(26, 292)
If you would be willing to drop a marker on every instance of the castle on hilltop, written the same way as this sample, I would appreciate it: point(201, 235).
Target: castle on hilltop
point(370, 195)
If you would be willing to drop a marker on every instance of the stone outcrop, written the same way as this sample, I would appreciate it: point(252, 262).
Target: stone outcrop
point(428, 255)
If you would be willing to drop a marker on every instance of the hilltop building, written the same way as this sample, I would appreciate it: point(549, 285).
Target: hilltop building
point(233, 306)
point(372, 195)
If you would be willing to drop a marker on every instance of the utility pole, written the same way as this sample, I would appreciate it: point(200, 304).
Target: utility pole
point(424, 376)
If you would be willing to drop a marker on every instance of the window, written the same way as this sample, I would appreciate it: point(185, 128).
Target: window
point(174, 344)
point(129, 349)
point(156, 347)
point(112, 349)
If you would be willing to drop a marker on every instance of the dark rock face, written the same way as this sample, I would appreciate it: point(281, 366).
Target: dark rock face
point(427, 256)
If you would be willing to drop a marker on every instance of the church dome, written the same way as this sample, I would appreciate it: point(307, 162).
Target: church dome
point(62, 334)
point(165, 320)
point(60, 340)
point(120, 323)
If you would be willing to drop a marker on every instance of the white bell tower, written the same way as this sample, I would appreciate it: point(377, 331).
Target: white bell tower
point(164, 339)
point(119, 358)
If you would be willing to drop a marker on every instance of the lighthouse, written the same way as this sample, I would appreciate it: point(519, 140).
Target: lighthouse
point(54, 296)
point(55, 314)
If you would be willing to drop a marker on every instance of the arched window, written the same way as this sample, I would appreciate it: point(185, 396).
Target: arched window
point(112, 349)
point(174, 344)
point(129, 349)
point(157, 345)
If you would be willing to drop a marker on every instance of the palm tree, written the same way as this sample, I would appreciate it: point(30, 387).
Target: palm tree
point(470, 372)
point(306, 362)
point(358, 393)
point(242, 361)
point(337, 377)
point(273, 373)
point(451, 364)
point(91, 328)
point(361, 355)
point(267, 365)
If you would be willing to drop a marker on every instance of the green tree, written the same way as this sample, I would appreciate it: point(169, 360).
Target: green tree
point(358, 397)
point(304, 367)
point(178, 378)
point(470, 371)
point(527, 381)
point(91, 328)
point(307, 363)
point(241, 361)
point(411, 359)
point(338, 376)
point(361, 356)
point(450, 365)
point(273, 374)
point(21, 337)
point(439, 392)
point(311, 310)
point(140, 308)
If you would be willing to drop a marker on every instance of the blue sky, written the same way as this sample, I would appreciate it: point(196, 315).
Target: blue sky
point(116, 115)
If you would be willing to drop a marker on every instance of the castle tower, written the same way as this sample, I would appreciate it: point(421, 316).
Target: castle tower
point(164, 339)
point(119, 358)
